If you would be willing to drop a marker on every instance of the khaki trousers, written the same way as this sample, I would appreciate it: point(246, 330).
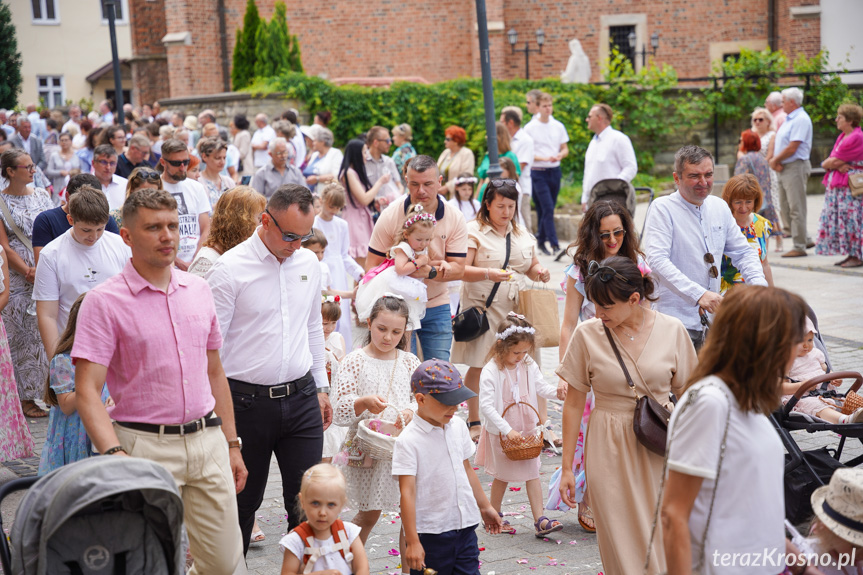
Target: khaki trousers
point(201, 467)
point(792, 200)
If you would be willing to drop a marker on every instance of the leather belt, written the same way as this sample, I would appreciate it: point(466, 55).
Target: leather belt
point(185, 429)
point(272, 391)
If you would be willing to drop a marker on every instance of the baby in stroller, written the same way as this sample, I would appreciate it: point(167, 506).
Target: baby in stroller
point(811, 363)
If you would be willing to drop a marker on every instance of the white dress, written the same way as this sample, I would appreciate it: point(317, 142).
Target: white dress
point(412, 289)
point(334, 435)
point(372, 488)
point(342, 266)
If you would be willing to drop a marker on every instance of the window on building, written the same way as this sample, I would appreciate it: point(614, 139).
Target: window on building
point(45, 11)
point(731, 57)
point(120, 12)
point(127, 97)
point(51, 90)
point(618, 37)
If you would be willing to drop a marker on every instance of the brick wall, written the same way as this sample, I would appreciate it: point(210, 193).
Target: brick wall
point(438, 41)
point(149, 60)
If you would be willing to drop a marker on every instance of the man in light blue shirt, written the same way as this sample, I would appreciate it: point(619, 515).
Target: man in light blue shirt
point(791, 162)
point(686, 235)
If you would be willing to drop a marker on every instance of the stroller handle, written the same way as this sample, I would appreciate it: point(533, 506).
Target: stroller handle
point(811, 383)
point(5, 490)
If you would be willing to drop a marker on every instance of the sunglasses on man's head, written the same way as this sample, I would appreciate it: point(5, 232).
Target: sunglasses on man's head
point(178, 163)
point(289, 237)
point(713, 272)
point(605, 273)
point(605, 236)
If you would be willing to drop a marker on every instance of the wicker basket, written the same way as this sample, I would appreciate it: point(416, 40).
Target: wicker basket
point(528, 447)
point(853, 402)
point(378, 444)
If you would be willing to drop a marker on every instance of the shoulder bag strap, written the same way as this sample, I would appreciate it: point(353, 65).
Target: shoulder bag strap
point(620, 361)
point(20, 235)
point(493, 293)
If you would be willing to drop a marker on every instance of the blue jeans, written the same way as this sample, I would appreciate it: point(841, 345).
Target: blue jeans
point(546, 187)
point(452, 552)
point(435, 335)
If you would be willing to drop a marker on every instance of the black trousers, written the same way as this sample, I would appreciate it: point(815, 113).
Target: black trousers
point(291, 427)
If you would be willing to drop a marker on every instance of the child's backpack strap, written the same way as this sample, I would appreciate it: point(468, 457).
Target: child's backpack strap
point(311, 553)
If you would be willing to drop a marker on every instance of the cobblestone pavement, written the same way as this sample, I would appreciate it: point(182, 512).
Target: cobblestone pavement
point(834, 294)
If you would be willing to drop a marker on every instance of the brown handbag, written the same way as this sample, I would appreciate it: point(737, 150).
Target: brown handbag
point(650, 421)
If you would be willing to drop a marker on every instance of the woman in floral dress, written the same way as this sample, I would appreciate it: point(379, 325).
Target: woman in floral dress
point(15, 439)
point(841, 228)
point(23, 204)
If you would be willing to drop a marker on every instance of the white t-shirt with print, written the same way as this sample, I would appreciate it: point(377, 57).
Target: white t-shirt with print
point(294, 543)
point(192, 201)
point(749, 512)
point(67, 269)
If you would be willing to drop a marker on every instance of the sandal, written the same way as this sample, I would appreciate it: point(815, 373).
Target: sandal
point(851, 263)
point(840, 262)
point(257, 536)
point(33, 410)
point(544, 526)
point(475, 436)
point(505, 526)
point(585, 518)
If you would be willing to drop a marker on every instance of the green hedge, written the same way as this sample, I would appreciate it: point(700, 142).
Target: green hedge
point(649, 105)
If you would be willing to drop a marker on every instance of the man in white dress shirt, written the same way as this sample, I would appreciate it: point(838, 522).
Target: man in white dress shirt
point(267, 292)
point(609, 155)
point(522, 147)
point(686, 235)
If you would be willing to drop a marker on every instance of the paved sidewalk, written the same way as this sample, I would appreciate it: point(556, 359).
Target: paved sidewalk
point(835, 295)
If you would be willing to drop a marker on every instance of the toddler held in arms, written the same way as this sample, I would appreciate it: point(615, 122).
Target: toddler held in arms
point(811, 363)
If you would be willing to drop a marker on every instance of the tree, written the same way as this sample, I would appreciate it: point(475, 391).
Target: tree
point(244, 50)
point(277, 51)
point(10, 60)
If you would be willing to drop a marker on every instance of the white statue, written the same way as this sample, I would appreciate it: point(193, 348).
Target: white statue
point(578, 68)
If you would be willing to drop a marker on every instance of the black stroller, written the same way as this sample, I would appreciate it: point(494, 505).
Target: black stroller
point(807, 470)
point(103, 515)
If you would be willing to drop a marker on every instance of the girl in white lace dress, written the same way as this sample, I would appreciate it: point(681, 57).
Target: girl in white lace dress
point(374, 383)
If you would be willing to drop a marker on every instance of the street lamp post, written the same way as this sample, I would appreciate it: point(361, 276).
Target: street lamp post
point(654, 44)
point(487, 89)
point(110, 8)
point(512, 35)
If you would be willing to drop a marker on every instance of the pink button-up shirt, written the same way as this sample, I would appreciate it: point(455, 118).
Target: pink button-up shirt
point(154, 345)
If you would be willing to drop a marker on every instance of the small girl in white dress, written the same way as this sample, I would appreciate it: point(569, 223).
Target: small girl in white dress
point(334, 345)
point(409, 253)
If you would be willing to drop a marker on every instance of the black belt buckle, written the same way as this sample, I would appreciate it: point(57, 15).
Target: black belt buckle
point(285, 389)
point(191, 427)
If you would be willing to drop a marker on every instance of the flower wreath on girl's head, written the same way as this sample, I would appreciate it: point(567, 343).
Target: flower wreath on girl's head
point(419, 216)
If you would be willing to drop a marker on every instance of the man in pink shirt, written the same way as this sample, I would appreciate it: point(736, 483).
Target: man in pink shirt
point(151, 332)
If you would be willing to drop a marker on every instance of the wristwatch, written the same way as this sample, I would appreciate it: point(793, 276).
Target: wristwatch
point(238, 443)
point(324, 390)
point(432, 273)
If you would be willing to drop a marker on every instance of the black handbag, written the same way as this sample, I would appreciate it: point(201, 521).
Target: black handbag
point(650, 420)
point(473, 322)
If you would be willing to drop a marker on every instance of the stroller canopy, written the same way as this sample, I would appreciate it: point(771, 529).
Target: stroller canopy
point(95, 486)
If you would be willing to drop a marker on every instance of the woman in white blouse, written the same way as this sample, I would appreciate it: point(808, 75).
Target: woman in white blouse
point(325, 160)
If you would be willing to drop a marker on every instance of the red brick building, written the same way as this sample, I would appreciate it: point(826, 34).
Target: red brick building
point(179, 49)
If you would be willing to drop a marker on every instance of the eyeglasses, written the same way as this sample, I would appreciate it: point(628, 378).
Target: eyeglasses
point(447, 139)
point(502, 183)
point(387, 140)
point(757, 119)
point(178, 163)
point(148, 175)
point(289, 236)
point(713, 272)
point(605, 273)
point(30, 167)
point(106, 163)
point(279, 154)
point(605, 236)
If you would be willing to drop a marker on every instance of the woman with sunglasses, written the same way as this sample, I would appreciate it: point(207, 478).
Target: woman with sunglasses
point(23, 204)
point(623, 474)
point(139, 179)
point(487, 236)
point(606, 230)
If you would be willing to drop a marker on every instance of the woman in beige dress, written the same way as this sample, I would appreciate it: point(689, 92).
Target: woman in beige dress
point(486, 253)
point(624, 475)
